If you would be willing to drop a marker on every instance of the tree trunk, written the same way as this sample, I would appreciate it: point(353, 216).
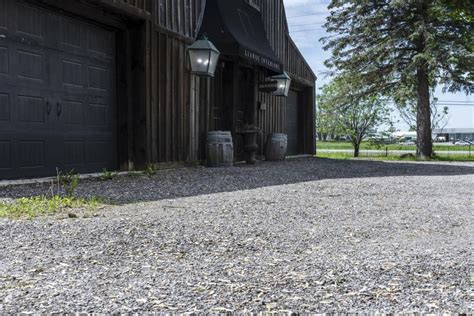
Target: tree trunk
point(424, 146)
point(356, 150)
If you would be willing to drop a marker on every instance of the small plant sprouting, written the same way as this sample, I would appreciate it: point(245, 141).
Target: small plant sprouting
point(107, 175)
point(68, 180)
point(151, 169)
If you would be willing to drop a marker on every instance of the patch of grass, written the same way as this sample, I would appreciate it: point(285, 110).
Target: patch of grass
point(32, 207)
point(344, 156)
point(369, 145)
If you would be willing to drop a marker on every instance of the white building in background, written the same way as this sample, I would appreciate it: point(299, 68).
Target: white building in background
point(455, 134)
point(404, 135)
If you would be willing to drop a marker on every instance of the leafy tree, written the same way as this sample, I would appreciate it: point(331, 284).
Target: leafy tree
point(352, 115)
point(439, 117)
point(402, 49)
point(326, 121)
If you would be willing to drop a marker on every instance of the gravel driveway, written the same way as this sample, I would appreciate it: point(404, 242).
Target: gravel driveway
point(310, 235)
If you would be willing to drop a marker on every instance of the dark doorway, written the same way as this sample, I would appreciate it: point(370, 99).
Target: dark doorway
point(292, 124)
point(244, 108)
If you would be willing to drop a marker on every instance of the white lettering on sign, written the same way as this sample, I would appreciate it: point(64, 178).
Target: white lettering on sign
point(261, 60)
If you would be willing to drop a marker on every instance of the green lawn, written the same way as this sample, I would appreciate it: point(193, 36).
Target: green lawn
point(368, 146)
point(394, 157)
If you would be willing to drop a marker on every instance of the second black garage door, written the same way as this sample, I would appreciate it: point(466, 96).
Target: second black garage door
point(292, 124)
point(57, 93)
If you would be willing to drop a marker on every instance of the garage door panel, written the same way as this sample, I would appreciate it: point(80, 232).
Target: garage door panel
point(30, 21)
point(72, 36)
point(98, 78)
point(4, 60)
point(31, 109)
point(101, 42)
point(99, 152)
point(97, 115)
point(3, 14)
point(4, 107)
point(74, 154)
point(5, 154)
point(30, 65)
point(72, 73)
point(31, 154)
point(72, 112)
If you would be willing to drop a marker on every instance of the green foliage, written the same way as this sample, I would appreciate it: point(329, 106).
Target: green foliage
point(68, 180)
point(439, 116)
point(41, 205)
point(349, 113)
point(151, 169)
point(107, 175)
point(403, 50)
point(411, 157)
point(367, 145)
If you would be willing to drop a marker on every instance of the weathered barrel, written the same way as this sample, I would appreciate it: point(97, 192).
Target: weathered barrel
point(220, 149)
point(276, 146)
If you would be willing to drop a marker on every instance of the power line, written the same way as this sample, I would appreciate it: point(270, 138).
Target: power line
point(307, 24)
point(455, 102)
point(306, 15)
point(308, 30)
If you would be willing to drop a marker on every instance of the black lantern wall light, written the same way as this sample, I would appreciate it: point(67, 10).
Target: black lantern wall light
point(204, 56)
point(283, 83)
point(278, 85)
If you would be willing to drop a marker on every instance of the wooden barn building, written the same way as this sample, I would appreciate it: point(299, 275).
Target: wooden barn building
point(94, 84)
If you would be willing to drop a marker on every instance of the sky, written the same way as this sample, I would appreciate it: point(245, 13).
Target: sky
point(305, 20)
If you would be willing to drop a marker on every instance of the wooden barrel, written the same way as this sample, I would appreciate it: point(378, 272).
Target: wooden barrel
point(219, 149)
point(275, 149)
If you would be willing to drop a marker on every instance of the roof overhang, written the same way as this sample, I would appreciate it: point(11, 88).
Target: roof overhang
point(236, 29)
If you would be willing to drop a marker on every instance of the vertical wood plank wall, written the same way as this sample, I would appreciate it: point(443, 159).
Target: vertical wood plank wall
point(181, 108)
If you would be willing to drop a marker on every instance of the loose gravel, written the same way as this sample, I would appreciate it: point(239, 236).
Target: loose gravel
point(310, 235)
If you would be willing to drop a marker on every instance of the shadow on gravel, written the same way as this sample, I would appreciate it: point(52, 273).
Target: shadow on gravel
point(168, 184)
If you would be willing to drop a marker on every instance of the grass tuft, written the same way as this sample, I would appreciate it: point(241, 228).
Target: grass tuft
point(31, 207)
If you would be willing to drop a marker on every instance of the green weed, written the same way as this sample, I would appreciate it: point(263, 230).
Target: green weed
point(31, 207)
point(107, 175)
point(151, 169)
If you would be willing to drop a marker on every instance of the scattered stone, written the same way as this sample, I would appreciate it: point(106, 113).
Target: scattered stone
point(311, 235)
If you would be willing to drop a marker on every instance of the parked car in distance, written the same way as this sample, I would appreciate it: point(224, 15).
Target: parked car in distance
point(407, 143)
point(462, 143)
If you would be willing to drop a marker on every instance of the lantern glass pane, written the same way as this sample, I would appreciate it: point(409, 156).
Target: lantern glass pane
point(213, 62)
point(200, 61)
point(283, 87)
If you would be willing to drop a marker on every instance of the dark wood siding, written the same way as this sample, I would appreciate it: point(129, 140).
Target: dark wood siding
point(182, 108)
point(274, 18)
point(166, 112)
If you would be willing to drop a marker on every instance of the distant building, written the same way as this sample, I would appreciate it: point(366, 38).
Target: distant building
point(404, 135)
point(455, 134)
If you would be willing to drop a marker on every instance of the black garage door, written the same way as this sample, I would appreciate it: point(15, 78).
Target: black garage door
point(57, 93)
point(292, 124)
